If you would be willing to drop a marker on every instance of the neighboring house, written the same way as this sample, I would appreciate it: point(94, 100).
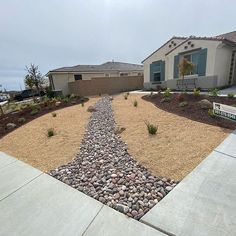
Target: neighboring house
point(59, 78)
point(213, 58)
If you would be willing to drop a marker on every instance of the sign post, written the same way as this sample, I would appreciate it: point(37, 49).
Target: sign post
point(224, 111)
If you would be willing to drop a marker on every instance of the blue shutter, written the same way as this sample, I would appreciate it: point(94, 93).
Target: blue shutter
point(176, 67)
point(151, 72)
point(202, 59)
point(162, 70)
point(195, 58)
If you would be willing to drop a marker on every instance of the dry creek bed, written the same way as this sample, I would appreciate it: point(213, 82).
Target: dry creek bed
point(105, 170)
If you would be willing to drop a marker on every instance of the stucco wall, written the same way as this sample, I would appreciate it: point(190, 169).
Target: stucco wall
point(222, 64)
point(159, 55)
point(105, 85)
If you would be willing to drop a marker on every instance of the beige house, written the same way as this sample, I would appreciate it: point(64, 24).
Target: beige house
point(213, 58)
point(60, 78)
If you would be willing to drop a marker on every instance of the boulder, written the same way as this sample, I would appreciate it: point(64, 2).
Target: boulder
point(11, 126)
point(91, 109)
point(58, 103)
point(205, 104)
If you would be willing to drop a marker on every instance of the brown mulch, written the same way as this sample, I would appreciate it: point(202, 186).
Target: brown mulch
point(193, 111)
point(25, 113)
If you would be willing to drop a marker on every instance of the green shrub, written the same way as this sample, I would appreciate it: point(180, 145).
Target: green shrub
point(54, 114)
point(183, 104)
point(196, 92)
point(230, 95)
point(126, 96)
point(135, 103)
point(167, 93)
point(166, 99)
point(34, 112)
point(211, 113)
point(214, 92)
point(66, 100)
point(21, 120)
point(82, 104)
point(51, 132)
point(152, 129)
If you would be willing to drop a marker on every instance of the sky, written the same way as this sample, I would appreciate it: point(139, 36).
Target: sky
point(57, 33)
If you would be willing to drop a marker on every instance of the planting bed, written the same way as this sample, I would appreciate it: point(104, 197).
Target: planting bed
point(14, 117)
point(105, 170)
point(193, 110)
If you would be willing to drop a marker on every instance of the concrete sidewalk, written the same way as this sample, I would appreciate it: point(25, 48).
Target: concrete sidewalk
point(204, 203)
point(34, 203)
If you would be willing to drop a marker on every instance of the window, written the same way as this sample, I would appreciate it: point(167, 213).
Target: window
point(124, 74)
point(78, 77)
point(193, 58)
point(157, 76)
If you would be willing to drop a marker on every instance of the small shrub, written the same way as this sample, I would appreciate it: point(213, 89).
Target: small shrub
point(214, 92)
point(183, 104)
point(34, 112)
point(152, 129)
point(66, 100)
point(72, 96)
point(51, 132)
point(135, 103)
point(54, 114)
point(151, 94)
point(167, 93)
point(230, 95)
point(196, 92)
point(126, 96)
point(211, 113)
point(181, 97)
point(166, 99)
point(82, 104)
point(21, 120)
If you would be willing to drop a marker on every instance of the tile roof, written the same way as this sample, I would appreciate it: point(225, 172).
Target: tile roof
point(108, 66)
point(231, 36)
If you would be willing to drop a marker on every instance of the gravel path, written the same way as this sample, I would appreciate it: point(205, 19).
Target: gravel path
point(105, 171)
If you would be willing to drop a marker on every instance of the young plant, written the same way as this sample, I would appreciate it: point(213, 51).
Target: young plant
point(214, 92)
point(54, 114)
point(82, 104)
point(231, 95)
point(126, 96)
point(211, 113)
point(152, 129)
point(135, 103)
point(185, 68)
point(151, 94)
point(167, 93)
point(51, 132)
point(196, 92)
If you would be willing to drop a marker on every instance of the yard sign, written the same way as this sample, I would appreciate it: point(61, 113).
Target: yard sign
point(224, 111)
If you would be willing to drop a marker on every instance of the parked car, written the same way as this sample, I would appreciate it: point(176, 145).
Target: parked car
point(28, 93)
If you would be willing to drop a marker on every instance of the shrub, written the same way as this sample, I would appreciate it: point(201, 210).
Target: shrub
point(183, 104)
point(151, 94)
point(152, 129)
point(82, 104)
point(167, 93)
point(66, 100)
point(166, 99)
point(181, 97)
point(126, 96)
point(34, 112)
point(196, 92)
point(21, 120)
point(127, 93)
point(214, 92)
point(54, 114)
point(135, 103)
point(211, 113)
point(72, 96)
point(51, 132)
point(230, 95)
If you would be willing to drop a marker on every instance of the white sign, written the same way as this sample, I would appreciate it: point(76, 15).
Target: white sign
point(224, 111)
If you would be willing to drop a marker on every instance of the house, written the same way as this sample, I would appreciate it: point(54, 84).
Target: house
point(60, 78)
point(213, 59)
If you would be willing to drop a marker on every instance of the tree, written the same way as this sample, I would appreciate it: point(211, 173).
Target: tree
point(34, 78)
point(185, 67)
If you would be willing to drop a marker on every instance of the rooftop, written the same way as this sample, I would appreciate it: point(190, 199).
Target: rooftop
point(107, 66)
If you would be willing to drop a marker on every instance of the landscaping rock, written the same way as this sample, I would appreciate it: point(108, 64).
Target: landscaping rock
point(105, 170)
point(91, 109)
point(11, 126)
point(205, 104)
point(58, 103)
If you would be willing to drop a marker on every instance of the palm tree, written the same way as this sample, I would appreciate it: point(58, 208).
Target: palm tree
point(185, 68)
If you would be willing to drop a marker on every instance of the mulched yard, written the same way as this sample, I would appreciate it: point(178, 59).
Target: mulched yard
point(25, 113)
point(193, 110)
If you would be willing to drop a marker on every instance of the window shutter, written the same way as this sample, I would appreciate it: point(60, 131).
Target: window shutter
point(202, 59)
point(151, 72)
point(162, 70)
point(176, 67)
point(195, 58)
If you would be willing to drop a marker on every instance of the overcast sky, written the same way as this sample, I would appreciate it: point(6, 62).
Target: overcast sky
point(56, 33)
